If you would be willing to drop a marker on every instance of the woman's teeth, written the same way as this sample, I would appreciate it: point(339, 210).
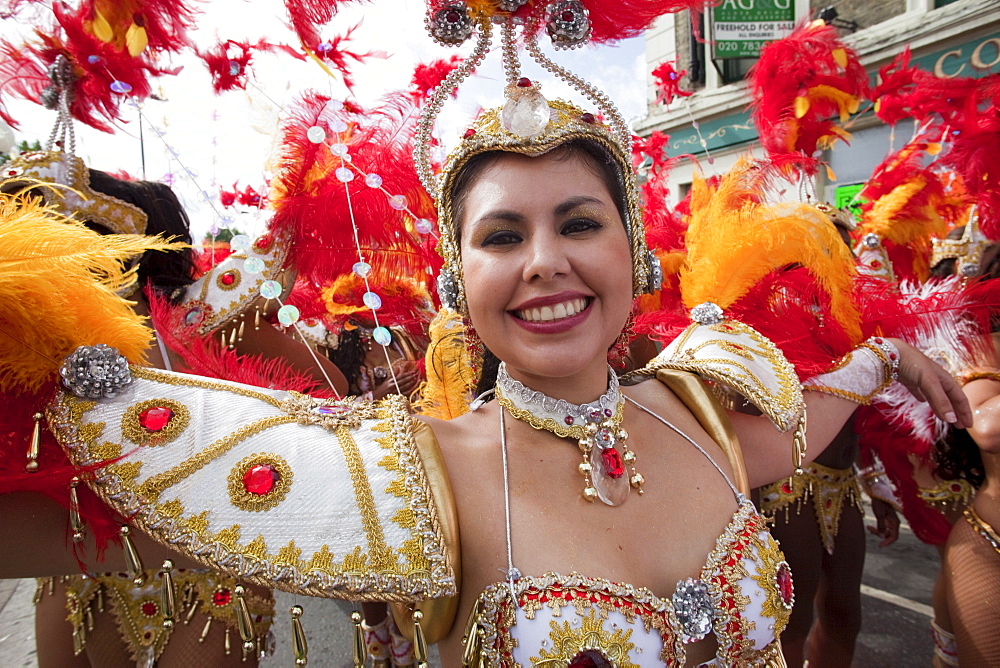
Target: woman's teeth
point(554, 312)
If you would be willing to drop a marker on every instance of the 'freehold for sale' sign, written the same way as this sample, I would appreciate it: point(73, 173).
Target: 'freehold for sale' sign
point(741, 27)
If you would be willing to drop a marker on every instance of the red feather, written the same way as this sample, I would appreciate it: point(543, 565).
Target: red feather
point(313, 207)
point(307, 16)
point(613, 20)
point(428, 76)
point(668, 83)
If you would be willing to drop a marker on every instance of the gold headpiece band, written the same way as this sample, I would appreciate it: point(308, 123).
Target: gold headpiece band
point(967, 251)
point(530, 125)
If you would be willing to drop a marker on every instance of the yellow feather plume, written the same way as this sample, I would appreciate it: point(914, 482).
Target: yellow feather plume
point(733, 242)
point(58, 283)
point(451, 378)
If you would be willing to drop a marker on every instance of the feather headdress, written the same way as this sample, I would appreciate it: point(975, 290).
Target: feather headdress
point(805, 86)
point(58, 290)
point(375, 209)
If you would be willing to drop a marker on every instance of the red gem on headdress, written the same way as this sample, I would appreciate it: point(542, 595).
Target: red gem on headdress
point(468, 133)
point(588, 118)
point(524, 82)
point(567, 16)
point(612, 461)
point(453, 16)
point(892, 356)
point(149, 609)
point(568, 420)
point(261, 479)
point(875, 264)
point(156, 418)
point(786, 488)
point(590, 658)
point(228, 278)
point(221, 597)
point(784, 579)
point(263, 242)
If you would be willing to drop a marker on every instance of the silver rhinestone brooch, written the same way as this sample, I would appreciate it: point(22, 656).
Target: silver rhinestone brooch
point(694, 609)
point(707, 314)
point(95, 372)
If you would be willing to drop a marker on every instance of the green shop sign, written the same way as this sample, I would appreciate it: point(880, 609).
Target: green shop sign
point(846, 197)
point(741, 27)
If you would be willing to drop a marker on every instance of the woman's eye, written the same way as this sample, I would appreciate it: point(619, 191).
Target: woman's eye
point(578, 225)
point(501, 238)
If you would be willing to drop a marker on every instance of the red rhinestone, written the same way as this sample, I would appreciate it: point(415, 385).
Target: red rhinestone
point(228, 278)
point(588, 118)
point(786, 488)
point(568, 420)
point(612, 461)
point(892, 356)
point(469, 133)
point(590, 658)
point(156, 418)
point(878, 341)
point(149, 609)
point(784, 579)
point(221, 597)
point(263, 243)
point(955, 487)
point(524, 82)
point(453, 16)
point(567, 16)
point(875, 264)
point(261, 479)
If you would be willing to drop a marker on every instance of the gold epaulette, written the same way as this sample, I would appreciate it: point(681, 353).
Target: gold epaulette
point(343, 499)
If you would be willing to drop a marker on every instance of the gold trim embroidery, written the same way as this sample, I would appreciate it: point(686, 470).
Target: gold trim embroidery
point(948, 494)
point(567, 642)
point(983, 528)
point(244, 499)
point(195, 381)
point(133, 430)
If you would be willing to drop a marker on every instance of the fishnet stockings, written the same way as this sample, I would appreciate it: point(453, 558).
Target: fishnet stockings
point(972, 572)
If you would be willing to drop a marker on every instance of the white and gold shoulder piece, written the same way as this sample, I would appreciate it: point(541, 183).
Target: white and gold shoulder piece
point(742, 359)
point(343, 499)
point(229, 288)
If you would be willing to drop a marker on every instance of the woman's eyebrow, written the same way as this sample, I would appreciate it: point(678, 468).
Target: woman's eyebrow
point(574, 202)
point(501, 215)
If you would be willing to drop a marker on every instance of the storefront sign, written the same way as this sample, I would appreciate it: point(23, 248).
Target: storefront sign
point(846, 197)
point(741, 27)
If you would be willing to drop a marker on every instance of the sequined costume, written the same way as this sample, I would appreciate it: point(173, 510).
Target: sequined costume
point(828, 488)
point(203, 598)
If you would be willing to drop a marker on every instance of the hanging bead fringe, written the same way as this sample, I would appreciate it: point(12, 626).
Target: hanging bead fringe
point(300, 649)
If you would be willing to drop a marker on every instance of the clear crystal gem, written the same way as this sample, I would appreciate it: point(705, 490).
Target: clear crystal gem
point(707, 314)
point(526, 114)
point(871, 240)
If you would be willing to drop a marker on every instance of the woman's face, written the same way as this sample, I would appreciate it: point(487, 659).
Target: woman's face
point(547, 264)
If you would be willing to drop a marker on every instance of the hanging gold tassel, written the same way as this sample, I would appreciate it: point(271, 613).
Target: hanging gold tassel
point(75, 521)
point(360, 649)
point(419, 643)
point(256, 319)
point(244, 622)
point(204, 631)
point(470, 639)
point(799, 444)
point(167, 595)
point(228, 647)
point(133, 564)
point(35, 444)
point(299, 646)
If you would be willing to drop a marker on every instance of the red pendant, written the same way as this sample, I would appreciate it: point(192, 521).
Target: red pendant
point(613, 465)
point(227, 278)
point(221, 597)
point(261, 479)
point(156, 418)
point(784, 580)
point(590, 658)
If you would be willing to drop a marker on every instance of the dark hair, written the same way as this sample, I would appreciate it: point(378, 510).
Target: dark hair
point(162, 272)
point(597, 159)
point(349, 354)
point(958, 457)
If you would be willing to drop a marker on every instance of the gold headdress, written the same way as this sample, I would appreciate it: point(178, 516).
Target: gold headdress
point(78, 200)
point(530, 125)
point(967, 251)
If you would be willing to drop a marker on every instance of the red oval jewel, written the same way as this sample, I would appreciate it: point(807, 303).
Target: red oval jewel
point(567, 16)
point(263, 242)
point(588, 118)
point(784, 580)
point(453, 16)
point(469, 133)
point(612, 461)
point(524, 82)
point(156, 418)
point(149, 609)
point(568, 420)
point(875, 264)
point(786, 488)
point(228, 278)
point(221, 597)
point(260, 479)
point(892, 356)
point(590, 658)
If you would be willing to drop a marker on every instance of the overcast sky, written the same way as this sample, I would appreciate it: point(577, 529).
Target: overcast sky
point(228, 138)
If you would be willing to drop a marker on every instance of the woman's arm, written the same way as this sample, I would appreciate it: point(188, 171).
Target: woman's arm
point(769, 453)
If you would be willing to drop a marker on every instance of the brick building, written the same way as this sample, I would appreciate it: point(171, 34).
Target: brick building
point(951, 38)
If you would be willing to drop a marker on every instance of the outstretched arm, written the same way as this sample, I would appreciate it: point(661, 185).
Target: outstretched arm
point(768, 452)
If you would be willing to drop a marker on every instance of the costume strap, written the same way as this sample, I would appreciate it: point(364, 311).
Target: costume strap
point(338, 499)
point(711, 416)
